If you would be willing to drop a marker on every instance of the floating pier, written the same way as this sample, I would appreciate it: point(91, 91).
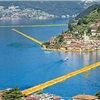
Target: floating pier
point(59, 79)
point(29, 37)
point(41, 25)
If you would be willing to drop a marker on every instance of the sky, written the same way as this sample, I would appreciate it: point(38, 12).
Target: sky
point(52, 0)
point(49, 0)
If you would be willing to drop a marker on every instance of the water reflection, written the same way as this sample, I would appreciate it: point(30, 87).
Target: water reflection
point(90, 57)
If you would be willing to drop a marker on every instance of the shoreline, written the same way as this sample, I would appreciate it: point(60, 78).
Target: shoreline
point(60, 50)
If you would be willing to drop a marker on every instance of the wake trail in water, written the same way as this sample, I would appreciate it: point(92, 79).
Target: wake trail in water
point(49, 67)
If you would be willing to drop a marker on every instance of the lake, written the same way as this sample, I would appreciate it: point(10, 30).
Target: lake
point(24, 63)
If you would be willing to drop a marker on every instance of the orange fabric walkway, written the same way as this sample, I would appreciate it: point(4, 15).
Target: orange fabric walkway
point(59, 79)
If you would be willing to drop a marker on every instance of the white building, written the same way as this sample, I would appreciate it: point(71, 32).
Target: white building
point(86, 38)
point(93, 32)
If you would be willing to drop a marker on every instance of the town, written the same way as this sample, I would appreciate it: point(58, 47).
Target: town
point(76, 43)
point(82, 34)
point(15, 12)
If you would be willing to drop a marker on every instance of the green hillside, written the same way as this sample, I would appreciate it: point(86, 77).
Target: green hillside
point(88, 26)
point(85, 24)
point(87, 11)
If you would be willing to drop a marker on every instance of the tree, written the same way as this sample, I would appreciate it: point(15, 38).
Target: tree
point(39, 92)
point(60, 38)
point(63, 32)
point(89, 30)
point(98, 95)
point(12, 94)
point(98, 10)
point(98, 29)
point(70, 27)
point(85, 20)
point(46, 44)
point(80, 21)
point(98, 37)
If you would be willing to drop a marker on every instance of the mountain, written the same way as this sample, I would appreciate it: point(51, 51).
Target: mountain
point(52, 7)
point(87, 11)
point(43, 9)
point(16, 13)
point(89, 17)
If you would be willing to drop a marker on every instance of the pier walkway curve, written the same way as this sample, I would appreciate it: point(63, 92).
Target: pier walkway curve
point(59, 79)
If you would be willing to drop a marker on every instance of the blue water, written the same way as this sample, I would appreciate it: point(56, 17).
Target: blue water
point(24, 63)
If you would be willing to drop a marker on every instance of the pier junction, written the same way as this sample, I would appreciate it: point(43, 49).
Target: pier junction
point(56, 80)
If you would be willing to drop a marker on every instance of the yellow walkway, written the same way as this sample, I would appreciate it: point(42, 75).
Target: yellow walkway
point(29, 37)
point(42, 25)
point(59, 79)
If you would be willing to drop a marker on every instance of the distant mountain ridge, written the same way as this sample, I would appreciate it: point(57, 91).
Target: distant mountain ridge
point(52, 7)
point(87, 11)
point(44, 9)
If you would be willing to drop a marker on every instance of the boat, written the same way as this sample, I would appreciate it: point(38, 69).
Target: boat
point(66, 58)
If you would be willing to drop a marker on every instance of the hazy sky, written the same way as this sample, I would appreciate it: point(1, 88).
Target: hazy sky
point(50, 0)
point(45, 0)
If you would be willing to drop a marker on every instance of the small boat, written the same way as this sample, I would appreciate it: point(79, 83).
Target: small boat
point(66, 59)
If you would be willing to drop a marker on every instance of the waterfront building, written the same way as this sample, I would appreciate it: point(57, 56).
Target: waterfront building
point(85, 97)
